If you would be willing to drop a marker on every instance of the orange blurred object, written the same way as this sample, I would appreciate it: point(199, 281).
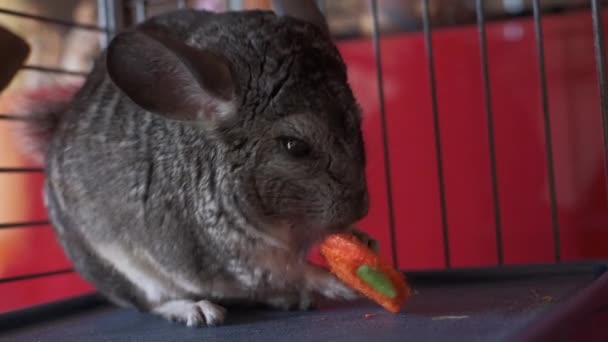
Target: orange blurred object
point(355, 264)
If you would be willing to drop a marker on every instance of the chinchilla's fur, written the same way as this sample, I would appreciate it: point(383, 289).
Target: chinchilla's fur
point(203, 157)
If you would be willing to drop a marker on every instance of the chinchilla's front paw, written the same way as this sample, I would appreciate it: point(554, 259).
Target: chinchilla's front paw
point(326, 284)
point(191, 313)
point(336, 289)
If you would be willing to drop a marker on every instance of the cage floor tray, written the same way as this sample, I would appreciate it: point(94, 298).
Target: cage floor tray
point(475, 307)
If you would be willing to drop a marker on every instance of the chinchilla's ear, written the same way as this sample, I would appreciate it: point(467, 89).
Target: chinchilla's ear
point(306, 10)
point(164, 75)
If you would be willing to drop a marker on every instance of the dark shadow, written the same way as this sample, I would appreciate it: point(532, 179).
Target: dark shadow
point(501, 274)
point(50, 312)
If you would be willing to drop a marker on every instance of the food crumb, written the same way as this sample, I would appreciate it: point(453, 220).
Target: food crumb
point(368, 315)
point(547, 299)
point(544, 299)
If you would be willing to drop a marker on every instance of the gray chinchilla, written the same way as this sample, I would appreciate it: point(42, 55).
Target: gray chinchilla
point(203, 157)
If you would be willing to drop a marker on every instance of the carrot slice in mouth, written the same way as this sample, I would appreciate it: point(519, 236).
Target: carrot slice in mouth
point(361, 269)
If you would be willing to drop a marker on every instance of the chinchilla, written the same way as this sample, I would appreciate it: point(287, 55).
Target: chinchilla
point(203, 157)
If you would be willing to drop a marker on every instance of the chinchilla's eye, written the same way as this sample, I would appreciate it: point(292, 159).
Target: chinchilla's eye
point(295, 147)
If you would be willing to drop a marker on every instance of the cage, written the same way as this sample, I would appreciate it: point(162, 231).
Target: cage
point(486, 130)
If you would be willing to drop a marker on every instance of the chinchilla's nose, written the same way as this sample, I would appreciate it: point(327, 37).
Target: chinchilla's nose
point(358, 204)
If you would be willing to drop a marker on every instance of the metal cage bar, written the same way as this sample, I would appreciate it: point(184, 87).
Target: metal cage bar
point(538, 29)
point(234, 5)
point(140, 10)
point(23, 224)
point(481, 28)
point(53, 20)
point(387, 163)
point(428, 42)
point(102, 19)
point(12, 117)
point(36, 275)
point(54, 70)
point(20, 169)
point(600, 62)
point(108, 15)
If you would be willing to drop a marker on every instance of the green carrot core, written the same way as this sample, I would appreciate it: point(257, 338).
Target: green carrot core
point(376, 279)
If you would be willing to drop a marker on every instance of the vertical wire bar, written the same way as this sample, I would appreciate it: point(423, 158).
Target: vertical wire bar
point(112, 18)
point(54, 21)
point(181, 4)
point(538, 29)
point(428, 42)
point(600, 63)
point(481, 28)
point(235, 5)
point(36, 275)
point(140, 11)
point(322, 4)
point(102, 20)
point(387, 164)
point(106, 17)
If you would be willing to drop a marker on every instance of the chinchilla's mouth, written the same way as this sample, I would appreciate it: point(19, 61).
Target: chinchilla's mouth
point(338, 229)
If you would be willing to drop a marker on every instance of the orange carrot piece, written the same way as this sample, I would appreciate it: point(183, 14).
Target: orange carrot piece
point(348, 258)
